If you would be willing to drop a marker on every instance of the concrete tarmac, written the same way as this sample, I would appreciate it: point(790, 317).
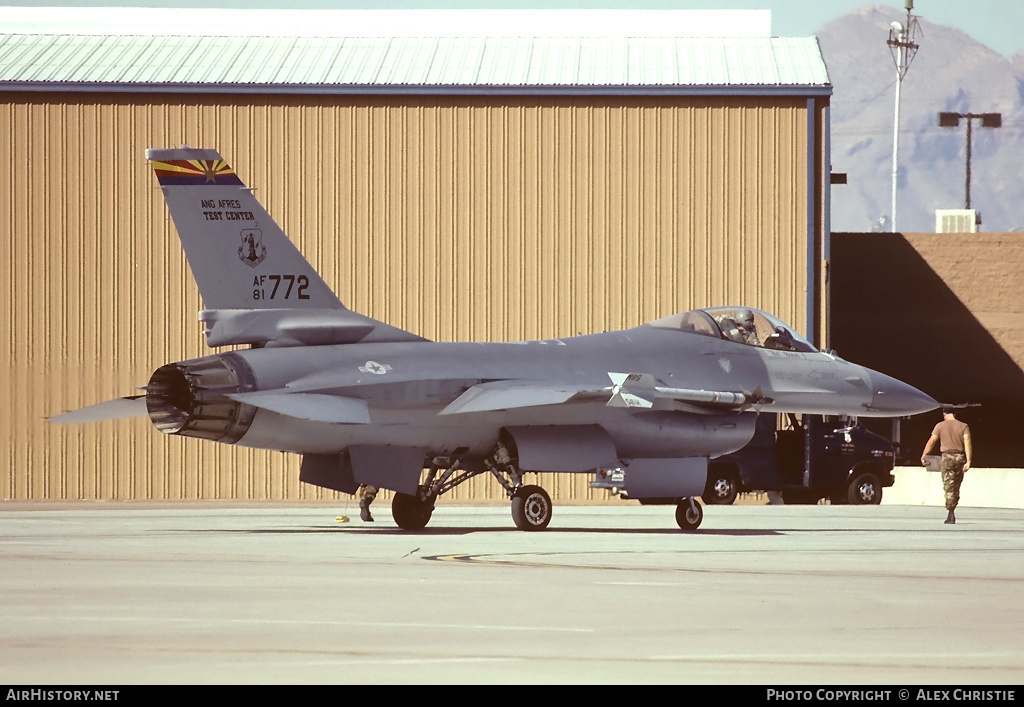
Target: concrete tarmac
point(117, 594)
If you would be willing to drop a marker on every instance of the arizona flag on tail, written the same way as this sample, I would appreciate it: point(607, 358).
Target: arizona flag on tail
point(182, 172)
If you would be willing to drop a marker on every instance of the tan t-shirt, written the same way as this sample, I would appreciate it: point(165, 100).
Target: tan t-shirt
point(951, 435)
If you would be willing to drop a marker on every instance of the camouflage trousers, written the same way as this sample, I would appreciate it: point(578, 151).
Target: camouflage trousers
point(366, 494)
point(952, 477)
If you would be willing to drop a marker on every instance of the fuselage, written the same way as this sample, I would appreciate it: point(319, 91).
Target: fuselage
point(406, 385)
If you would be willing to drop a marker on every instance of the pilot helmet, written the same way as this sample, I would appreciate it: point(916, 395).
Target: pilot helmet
point(744, 318)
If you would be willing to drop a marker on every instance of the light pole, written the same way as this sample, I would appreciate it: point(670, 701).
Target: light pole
point(902, 47)
point(952, 120)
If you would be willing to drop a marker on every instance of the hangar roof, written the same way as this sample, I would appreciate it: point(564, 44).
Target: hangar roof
point(404, 51)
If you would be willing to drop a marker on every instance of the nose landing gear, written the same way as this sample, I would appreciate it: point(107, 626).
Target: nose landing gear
point(689, 514)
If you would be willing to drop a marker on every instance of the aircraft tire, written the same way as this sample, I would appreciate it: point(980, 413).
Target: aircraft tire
point(409, 512)
point(722, 487)
point(687, 517)
point(865, 489)
point(531, 508)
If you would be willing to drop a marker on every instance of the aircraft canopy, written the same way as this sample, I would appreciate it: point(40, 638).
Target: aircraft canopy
point(743, 325)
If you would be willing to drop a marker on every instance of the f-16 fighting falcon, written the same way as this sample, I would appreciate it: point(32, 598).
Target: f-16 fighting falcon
point(364, 402)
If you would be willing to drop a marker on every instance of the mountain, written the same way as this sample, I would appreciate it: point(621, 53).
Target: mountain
point(950, 72)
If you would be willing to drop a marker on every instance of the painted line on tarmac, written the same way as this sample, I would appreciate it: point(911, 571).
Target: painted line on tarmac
point(296, 622)
point(375, 661)
point(646, 584)
point(972, 661)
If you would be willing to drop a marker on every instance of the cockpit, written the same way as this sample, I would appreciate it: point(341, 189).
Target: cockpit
point(744, 325)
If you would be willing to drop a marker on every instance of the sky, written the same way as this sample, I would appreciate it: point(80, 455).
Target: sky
point(995, 23)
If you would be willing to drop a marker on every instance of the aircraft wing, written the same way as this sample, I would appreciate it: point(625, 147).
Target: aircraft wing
point(120, 408)
point(502, 395)
point(628, 390)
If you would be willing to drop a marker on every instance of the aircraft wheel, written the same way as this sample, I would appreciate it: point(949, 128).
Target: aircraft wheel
point(409, 512)
point(865, 489)
point(689, 516)
point(531, 508)
point(722, 487)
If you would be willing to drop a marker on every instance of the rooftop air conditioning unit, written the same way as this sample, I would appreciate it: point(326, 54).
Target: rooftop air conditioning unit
point(956, 221)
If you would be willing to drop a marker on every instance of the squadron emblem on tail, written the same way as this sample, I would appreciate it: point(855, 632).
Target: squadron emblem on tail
point(252, 251)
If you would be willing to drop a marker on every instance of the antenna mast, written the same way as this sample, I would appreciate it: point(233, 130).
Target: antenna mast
point(903, 48)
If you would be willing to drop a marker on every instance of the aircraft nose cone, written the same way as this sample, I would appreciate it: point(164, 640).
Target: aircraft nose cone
point(896, 397)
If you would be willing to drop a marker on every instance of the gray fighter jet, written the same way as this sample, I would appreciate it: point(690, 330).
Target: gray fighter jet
point(367, 403)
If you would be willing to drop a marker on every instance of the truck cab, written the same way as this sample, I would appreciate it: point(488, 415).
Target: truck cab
point(806, 459)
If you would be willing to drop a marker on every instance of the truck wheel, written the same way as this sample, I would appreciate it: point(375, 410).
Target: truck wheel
point(865, 489)
point(722, 487)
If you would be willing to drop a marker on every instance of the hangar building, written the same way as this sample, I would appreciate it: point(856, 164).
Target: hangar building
point(465, 175)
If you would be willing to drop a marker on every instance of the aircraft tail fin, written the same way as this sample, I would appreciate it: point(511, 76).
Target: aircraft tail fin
point(252, 278)
point(239, 256)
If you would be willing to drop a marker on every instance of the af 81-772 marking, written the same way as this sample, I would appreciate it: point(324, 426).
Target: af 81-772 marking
point(270, 286)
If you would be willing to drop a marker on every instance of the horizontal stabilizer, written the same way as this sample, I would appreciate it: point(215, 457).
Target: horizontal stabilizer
point(309, 406)
point(296, 327)
point(503, 395)
point(132, 406)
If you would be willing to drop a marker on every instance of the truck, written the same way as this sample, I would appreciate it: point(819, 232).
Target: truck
point(806, 459)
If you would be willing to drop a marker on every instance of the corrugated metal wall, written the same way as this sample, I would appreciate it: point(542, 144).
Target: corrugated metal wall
point(478, 218)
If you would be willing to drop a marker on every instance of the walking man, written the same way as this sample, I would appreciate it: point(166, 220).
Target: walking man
point(954, 440)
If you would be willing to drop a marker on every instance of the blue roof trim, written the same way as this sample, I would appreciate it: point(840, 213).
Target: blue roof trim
point(801, 90)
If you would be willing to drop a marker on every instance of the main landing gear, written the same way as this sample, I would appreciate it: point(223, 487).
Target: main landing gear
point(531, 508)
point(411, 512)
point(530, 504)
